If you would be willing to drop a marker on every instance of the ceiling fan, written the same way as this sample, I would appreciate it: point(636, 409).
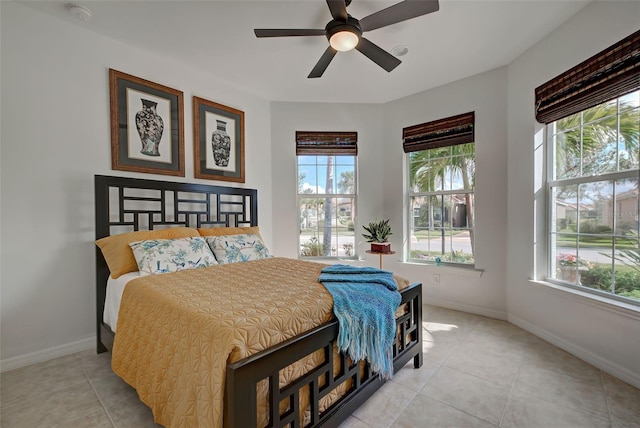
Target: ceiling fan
point(345, 32)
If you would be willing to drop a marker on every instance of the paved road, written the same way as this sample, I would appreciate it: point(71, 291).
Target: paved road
point(461, 242)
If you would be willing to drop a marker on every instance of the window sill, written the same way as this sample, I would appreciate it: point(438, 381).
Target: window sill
point(453, 270)
point(600, 302)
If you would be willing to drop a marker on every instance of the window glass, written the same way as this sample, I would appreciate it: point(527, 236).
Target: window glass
point(327, 202)
point(594, 200)
point(441, 182)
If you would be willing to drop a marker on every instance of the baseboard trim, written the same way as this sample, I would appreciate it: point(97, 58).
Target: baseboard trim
point(46, 354)
point(477, 310)
point(596, 360)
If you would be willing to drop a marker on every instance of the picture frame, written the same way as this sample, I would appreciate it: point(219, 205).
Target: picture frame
point(218, 139)
point(147, 128)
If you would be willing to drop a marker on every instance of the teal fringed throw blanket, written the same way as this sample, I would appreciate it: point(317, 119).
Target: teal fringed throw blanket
point(365, 300)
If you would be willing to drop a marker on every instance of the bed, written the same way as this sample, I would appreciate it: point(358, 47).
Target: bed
point(293, 378)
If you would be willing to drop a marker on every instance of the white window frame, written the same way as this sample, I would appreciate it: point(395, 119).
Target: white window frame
point(322, 196)
point(550, 183)
point(410, 218)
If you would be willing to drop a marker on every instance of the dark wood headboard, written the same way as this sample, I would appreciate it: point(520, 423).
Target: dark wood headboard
point(130, 204)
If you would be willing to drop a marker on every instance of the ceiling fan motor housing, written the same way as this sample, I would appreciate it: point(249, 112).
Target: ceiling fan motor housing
point(352, 25)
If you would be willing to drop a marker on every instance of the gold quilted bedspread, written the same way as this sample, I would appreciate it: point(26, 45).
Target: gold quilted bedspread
point(178, 331)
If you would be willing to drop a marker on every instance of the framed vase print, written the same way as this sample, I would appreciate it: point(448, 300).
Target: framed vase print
point(218, 138)
point(147, 131)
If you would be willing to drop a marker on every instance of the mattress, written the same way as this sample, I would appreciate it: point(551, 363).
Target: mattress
point(178, 331)
point(115, 288)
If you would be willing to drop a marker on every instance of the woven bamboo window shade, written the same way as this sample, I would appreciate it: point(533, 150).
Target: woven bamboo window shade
point(607, 75)
point(439, 133)
point(326, 143)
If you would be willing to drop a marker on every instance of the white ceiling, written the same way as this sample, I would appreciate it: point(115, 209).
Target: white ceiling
point(463, 38)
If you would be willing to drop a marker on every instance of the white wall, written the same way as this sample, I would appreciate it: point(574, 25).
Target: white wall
point(55, 137)
point(602, 334)
point(286, 119)
point(381, 178)
point(485, 94)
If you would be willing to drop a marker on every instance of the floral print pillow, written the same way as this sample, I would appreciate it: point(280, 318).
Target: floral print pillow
point(171, 255)
point(237, 248)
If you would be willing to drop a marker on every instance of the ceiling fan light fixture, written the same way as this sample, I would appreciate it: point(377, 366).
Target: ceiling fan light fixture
point(344, 41)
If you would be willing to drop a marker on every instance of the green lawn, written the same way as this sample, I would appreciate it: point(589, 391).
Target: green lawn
point(597, 242)
point(429, 234)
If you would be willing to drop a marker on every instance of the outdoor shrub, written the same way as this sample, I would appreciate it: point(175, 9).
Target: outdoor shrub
point(597, 277)
point(312, 248)
point(603, 228)
point(348, 248)
point(626, 227)
point(627, 282)
point(589, 226)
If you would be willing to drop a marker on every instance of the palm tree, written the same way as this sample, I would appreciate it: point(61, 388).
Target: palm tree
point(599, 132)
point(428, 169)
point(605, 135)
point(328, 208)
point(346, 184)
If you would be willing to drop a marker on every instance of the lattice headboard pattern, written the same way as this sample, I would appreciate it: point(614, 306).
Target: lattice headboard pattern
point(130, 204)
point(127, 204)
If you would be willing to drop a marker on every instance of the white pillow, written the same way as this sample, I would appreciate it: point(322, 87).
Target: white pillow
point(237, 248)
point(171, 255)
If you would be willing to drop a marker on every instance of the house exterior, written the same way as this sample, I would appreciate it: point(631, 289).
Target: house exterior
point(626, 210)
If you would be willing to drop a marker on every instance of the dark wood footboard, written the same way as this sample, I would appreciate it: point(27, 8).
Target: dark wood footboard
point(244, 375)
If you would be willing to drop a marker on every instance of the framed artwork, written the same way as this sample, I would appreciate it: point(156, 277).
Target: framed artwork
point(147, 131)
point(218, 137)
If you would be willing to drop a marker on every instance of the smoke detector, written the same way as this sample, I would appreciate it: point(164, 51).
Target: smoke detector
point(80, 12)
point(400, 50)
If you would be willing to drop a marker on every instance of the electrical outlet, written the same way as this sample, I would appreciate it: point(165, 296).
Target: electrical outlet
point(436, 278)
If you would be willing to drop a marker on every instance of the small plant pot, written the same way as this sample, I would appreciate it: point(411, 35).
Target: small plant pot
point(381, 247)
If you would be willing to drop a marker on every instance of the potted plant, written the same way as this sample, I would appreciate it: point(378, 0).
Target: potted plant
point(570, 267)
point(377, 234)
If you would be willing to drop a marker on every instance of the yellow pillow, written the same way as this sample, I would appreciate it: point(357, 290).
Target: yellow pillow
point(118, 254)
point(222, 231)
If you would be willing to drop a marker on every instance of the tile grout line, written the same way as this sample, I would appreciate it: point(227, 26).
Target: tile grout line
point(360, 420)
point(606, 397)
point(397, 415)
point(440, 366)
point(576, 407)
point(460, 410)
point(511, 390)
point(95, 391)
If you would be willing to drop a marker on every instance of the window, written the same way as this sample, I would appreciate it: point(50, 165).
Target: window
point(593, 178)
point(593, 194)
point(441, 180)
point(326, 193)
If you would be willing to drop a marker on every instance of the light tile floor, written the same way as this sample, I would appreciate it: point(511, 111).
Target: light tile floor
point(478, 372)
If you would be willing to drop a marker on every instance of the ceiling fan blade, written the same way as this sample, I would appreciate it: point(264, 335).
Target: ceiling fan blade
point(323, 63)
point(378, 55)
point(274, 32)
point(398, 12)
point(338, 9)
